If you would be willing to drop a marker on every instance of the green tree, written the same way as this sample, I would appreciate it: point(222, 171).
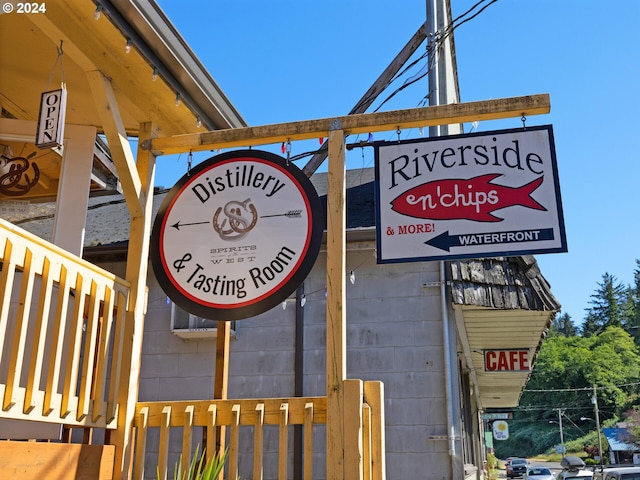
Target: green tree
point(564, 373)
point(607, 306)
point(563, 325)
point(632, 323)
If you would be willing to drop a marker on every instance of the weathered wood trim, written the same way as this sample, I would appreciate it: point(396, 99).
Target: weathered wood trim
point(352, 124)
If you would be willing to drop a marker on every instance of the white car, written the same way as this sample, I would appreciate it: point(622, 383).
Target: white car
point(575, 474)
point(628, 472)
point(538, 473)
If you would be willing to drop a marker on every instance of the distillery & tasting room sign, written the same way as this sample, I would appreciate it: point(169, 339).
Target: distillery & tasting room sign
point(467, 196)
point(236, 235)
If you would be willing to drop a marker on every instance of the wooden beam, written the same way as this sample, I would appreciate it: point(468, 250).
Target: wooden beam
point(119, 146)
point(376, 89)
point(352, 124)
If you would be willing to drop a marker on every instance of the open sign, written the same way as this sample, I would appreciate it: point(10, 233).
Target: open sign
point(53, 107)
point(514, 360)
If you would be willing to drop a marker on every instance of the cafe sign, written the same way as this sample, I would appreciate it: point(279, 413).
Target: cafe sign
point(236, 235)
point(507, 360)
point(468, 196)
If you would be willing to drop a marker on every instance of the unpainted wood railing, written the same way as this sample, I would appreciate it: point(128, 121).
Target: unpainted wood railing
point(62, 324)
point(364, 430)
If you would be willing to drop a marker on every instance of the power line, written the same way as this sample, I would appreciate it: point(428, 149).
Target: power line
point(583, 389)
point(431, 48)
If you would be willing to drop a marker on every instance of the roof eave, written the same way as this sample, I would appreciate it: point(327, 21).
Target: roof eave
point(157, 39)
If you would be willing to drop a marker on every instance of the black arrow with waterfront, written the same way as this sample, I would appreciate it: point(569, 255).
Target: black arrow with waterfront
point(444, 241)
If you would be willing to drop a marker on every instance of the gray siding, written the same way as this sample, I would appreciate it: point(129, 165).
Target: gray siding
point(394, 334)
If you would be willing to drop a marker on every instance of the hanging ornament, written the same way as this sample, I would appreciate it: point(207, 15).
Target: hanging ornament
point(14, 181)
point(321, 140)
point(352, 277)
point(288, 150)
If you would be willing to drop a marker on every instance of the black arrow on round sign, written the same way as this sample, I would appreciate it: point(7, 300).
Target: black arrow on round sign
point(444, 241)
point(177, 225)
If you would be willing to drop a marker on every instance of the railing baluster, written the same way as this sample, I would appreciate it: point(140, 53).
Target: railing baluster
point(141, 443)
point(6, 288)
point(116, 355)
point(233, 441)
point(308, 441)
point(73, 353)
point(16, 358)
point(57, 341)
point(163, 448)
point(40, 336)
point(102, 357)
point(88, 362)
point(353, 399)
point(283, 442)
point(258, 435)
point(211, 431)
point(366, 442)
point(374, 396)
point(187, 435)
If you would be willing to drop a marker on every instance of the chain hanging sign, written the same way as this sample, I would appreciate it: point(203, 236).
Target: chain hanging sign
point(236, 235)
point(468, 196)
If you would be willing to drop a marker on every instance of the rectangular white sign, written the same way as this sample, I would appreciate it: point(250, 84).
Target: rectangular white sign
point(53, 108)
point(467, 196)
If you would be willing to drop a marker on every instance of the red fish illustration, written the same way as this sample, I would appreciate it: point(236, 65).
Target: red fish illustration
point(458, 199)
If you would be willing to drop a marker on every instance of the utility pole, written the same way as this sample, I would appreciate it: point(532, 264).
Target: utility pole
point(594, 400)
point(443, 90)
point(560, 413)
point(559, 422)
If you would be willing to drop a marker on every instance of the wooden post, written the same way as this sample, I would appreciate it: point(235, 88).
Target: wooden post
point(353, 454)
point(136, 274)
point(221, 382)
point(374, 397)
point(335, 309)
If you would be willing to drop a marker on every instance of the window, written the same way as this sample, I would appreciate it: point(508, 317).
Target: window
point(191, 327)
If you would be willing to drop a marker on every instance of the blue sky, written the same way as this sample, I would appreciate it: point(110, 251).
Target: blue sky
point(289, 60)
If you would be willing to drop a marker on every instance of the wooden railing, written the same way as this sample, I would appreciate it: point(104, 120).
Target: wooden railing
point(61, 320)
point(364, 428)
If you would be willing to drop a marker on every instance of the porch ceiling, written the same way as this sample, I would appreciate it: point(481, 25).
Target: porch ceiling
point(29, 46)
point(486, 329)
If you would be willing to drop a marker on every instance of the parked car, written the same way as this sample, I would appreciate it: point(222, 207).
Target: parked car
point(517, 467)
point(630, 472)
point(538, 473)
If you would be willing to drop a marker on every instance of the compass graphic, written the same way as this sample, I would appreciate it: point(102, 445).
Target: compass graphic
point(236, 235)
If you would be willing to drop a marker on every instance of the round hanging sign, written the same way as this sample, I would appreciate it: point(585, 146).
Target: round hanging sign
point(236, 235)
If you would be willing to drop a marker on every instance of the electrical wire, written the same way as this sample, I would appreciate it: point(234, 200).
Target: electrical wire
point(433, 47)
